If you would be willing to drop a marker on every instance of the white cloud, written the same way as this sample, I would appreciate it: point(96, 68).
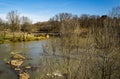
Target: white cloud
point(3, 16)
point(36, 18)
point(32, 17)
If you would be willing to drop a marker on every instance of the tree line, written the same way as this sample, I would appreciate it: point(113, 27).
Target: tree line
point(16, 23)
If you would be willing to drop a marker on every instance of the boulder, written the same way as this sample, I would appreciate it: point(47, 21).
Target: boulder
point(18, 56)
point(17, 69)
point(24, 75)
point(16, 63)
point(28, 67)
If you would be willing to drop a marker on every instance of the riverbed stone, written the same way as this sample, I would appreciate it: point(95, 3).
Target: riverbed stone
point(18, 56)
point(16, 63)
point(28, 67)
point(24, 75)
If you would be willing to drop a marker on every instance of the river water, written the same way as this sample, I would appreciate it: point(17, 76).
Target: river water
point(31, 49)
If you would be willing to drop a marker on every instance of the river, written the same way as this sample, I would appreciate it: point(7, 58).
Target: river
point(31, 49)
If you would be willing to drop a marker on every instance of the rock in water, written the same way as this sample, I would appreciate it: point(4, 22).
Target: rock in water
point(16, 63)
point(28, 67)
point(24, 75)
point(18, 56)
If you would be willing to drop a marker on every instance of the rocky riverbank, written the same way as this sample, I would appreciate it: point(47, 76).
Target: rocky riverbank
point(16, 62)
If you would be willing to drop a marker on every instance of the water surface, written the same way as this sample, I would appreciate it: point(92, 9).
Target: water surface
point(31, 50)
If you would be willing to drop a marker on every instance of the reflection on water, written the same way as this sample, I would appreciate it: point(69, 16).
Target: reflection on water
point(30, 49)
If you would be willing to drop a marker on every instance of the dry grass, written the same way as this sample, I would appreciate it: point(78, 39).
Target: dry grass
point(18, 37)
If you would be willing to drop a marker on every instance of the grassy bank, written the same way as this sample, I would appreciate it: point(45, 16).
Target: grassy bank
point(19, 37)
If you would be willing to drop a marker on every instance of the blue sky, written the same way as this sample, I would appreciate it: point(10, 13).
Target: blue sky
point(42, 10)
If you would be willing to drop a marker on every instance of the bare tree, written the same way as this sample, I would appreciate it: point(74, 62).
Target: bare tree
point(67, 46)
point(106, 49)
point(26, 22)
point(3, 28)
point(14, 21)
point(115, 13)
